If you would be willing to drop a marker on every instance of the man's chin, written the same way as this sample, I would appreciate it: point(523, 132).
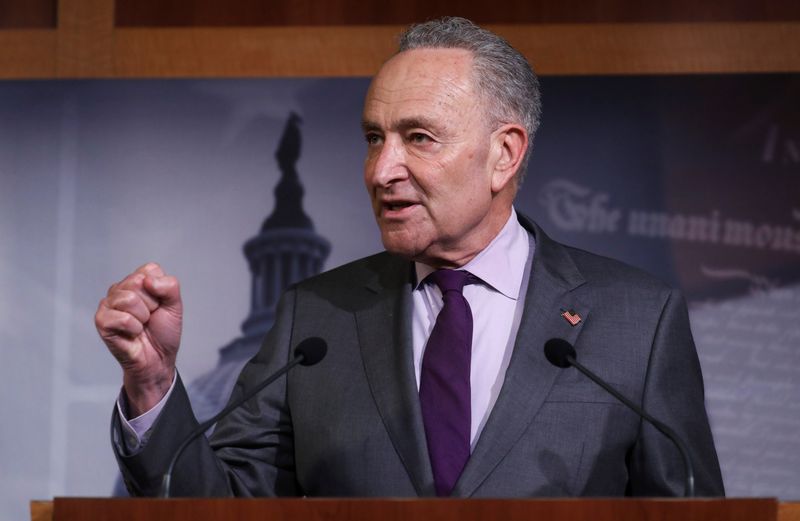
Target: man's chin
point(400, 245)
point(404, 252)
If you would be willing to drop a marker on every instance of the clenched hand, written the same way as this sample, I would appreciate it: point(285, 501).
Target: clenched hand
point(140, 322)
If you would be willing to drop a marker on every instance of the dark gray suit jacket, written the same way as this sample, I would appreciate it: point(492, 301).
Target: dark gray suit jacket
point(351, 425)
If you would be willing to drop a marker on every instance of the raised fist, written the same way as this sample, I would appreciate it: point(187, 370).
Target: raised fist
point(140, 321)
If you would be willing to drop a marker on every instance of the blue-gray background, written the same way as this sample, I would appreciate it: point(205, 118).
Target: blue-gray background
point(696, 179)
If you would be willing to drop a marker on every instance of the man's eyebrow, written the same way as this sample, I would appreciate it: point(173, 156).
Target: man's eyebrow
point(403, 124)
point(416, 122)
point(369, 126)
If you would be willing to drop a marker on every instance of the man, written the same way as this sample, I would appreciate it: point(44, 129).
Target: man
point(434, 382)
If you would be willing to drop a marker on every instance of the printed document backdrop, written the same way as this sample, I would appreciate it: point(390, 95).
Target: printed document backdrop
point(695, 179)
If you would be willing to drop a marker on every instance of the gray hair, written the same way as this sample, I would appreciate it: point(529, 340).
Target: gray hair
point(503, 75)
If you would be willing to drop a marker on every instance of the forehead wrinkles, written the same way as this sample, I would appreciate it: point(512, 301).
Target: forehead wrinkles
point(420, 96)
point(443, 94)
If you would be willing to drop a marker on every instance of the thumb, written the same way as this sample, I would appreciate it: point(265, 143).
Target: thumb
point(166, 289)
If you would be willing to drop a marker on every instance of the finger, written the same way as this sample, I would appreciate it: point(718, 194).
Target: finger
point(123, 350)
point(166, 289)
point(129, 301)
point(135, 283)
point(151, 268)
point(113, 323)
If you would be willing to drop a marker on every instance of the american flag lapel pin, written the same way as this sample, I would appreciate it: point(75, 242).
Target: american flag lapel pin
point(570, 316)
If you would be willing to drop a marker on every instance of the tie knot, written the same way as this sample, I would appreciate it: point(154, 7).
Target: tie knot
point(451, 280)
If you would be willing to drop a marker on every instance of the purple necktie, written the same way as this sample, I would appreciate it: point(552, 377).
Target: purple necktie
point(444, 390)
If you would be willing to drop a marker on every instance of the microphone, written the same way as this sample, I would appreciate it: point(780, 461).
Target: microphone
point(560, 353)
point(309, 352)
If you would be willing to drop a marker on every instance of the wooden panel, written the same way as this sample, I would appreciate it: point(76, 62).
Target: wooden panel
point(41, 510)
point(659, 48)
point(28, 14)
point(27, 53)
point(189, 13)
point(309, 51)
point(789, 511)
point(87, 45)
point(69, 509)
point(85, 33)
point(561, 49)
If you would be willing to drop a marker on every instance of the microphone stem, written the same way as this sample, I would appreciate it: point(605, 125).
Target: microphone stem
point(203, 427)
point(666, 431)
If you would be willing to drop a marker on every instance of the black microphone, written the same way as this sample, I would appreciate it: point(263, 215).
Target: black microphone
point(560, 353)
point(309, 352)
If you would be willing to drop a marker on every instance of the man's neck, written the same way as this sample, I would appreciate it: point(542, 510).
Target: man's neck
point(423, 269)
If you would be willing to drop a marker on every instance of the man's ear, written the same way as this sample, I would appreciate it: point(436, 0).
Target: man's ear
point(509, 145)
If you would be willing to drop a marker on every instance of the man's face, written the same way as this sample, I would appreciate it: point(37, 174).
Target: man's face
point(429, 158)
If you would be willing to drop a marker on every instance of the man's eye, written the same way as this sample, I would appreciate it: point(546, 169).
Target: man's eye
point(419, 137)
point(373, 139)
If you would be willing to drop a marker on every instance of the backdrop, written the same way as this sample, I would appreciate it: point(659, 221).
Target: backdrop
point(695, 179)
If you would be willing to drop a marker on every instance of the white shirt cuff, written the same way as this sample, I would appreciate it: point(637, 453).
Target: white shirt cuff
point(136, 431)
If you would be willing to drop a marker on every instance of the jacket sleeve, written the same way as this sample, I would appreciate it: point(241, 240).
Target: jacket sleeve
point(251, 451)
point(674, 394)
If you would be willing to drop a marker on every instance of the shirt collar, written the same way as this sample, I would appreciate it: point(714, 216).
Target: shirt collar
point(501, 264)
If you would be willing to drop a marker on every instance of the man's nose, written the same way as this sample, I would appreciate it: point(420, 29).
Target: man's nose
point(389, 165)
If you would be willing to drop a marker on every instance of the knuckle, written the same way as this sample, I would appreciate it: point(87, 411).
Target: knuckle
point(99, 320)
point(151, 268)
point(115, 300)
point(125, 299)
point(173, 281)
point(128, 322)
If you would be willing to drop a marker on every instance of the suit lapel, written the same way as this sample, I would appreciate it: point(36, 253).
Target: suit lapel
point(384, 334)
point(529, 376)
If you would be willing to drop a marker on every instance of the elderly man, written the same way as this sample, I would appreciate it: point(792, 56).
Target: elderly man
point(435, 382)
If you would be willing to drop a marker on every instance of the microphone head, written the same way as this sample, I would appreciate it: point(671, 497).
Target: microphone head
point(312, 350)
point(557, 350)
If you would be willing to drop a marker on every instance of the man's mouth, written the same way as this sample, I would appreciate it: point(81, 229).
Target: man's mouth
point(396, 208)
point(398, 205)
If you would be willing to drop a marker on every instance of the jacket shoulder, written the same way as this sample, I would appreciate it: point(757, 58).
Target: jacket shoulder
point(601, 271)
point(382, 268)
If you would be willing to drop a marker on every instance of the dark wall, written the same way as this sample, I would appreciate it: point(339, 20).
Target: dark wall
point(357, 12)
point(28, 14)
point(188, 13)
